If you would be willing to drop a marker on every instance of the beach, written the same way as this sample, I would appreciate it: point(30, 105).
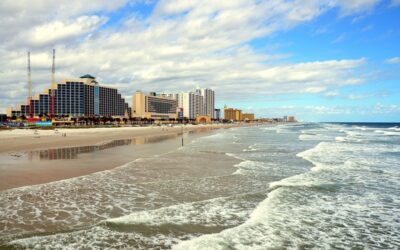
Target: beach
point(31, 139)
point(31, 157)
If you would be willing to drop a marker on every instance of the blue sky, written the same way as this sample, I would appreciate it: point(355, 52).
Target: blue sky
point(330, 60)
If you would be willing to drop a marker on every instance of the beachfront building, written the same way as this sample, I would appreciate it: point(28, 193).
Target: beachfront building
point(208, 102)
point(186, 102)
point(81, 97)
point(151, 106)
point(248, 117)
point(232, 114)
point(201, 102)
point(291, 119)
point(217, 114)
point(198, 104)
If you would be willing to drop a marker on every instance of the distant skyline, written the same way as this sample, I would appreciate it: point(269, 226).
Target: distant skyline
point(336, 60)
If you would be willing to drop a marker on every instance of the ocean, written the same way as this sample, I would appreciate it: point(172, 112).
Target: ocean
point(290, 186)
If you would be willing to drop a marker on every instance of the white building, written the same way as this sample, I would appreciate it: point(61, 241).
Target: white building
point(208, 102)
point(169, 95)
point(186, 101)
point(198, 104)
point(201, 102)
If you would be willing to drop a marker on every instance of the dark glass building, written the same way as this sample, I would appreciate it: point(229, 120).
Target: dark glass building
point(76, 98)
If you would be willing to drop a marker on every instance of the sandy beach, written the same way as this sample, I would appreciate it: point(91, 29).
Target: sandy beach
point(27, 140)
point(30, 157)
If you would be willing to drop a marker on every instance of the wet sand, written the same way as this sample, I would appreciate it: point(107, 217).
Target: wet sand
point(47, 156)
point(44, 139)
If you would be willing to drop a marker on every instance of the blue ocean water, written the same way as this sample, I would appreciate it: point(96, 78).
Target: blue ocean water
point(349, 198)
point(293, 186)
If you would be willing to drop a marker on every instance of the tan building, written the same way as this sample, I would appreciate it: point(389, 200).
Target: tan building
point(238, 115)
point(248, 117)
point(9, 111)
point(203, 119)
point(153, 107)
point(232, 114)
point(291, 119)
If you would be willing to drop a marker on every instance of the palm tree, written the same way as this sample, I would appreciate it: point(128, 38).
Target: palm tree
point(117, 119)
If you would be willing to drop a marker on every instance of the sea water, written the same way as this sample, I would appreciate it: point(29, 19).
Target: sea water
point(298, 185)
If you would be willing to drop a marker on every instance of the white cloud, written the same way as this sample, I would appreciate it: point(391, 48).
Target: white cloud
point(60, 32)
point(356, 6)
point(19, 17)
point(360, 96)
point(357, 96)
point(313, 90)
point(385, 109)
point(331, 94)
point(340, 38)
point(393, 60)
point(395, 2)
point(180, 45)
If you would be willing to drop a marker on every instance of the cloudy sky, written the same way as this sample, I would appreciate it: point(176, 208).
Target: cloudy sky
point(333, 60)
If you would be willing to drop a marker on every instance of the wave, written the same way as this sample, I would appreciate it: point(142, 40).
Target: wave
point(235, 156)
point(362, 128)
point(270, 128)
point(260, 231)
point(392, 133)
point(304, 207)
point(250, 167)
point(159, 228)
point(302, 180)
point(224, 211)
point(341, 138)
point(70, 203)
point(251, 148)
point(242, 236)
point(232, 238)
point(97, 237)
point(313, 137)
point(348, 139)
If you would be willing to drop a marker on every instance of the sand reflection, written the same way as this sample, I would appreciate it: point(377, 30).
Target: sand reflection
point(74, 152)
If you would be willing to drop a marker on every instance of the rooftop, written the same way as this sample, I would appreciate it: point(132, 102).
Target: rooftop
point(88, 76)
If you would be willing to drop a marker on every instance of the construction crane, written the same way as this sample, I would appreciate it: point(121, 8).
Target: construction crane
point(30, 86)
point(52, 89)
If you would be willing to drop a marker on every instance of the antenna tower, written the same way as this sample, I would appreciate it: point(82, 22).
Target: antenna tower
point(29, 77)
point(53, 68)
point(30, 86)
point(52, 87)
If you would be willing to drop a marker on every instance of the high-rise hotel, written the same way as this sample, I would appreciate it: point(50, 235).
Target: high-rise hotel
point(198, 103)
point(151, 106)
point(208, 102)
point(76, 98)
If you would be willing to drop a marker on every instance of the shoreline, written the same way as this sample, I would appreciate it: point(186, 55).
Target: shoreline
point(26, 140)
point(25, 159)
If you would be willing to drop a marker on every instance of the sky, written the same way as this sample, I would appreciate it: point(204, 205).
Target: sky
point(333, 60)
